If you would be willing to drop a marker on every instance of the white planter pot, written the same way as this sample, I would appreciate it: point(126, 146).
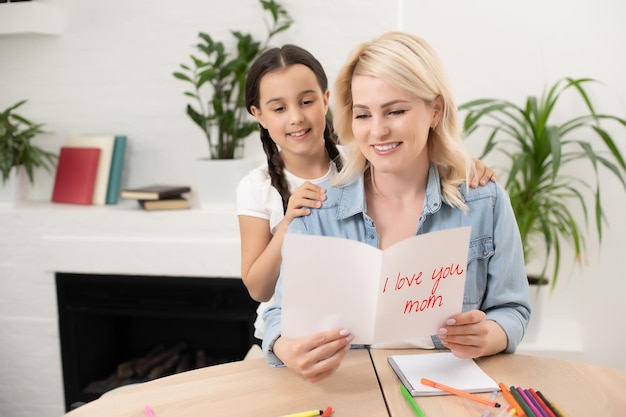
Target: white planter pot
point(16, 186)
point(216, 180)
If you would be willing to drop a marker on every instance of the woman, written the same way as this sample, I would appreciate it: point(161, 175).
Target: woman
point(406, 173)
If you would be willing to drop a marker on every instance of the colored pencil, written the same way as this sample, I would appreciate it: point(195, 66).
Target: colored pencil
point(521, 402)
point(555, 409)
point(406, 394)
point(542, 403)
point(512, 402)
point(537, 408)
point(458, 392)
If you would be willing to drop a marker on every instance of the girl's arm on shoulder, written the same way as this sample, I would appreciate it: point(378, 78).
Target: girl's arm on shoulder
point(261, 252)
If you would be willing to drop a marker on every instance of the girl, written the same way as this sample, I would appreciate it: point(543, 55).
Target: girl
point(287, 92)
point(405, 174)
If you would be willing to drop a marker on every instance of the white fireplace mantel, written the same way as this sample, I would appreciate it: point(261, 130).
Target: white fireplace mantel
point(126, 240)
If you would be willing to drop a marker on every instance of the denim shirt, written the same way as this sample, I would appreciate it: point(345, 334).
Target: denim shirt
point(495, 280)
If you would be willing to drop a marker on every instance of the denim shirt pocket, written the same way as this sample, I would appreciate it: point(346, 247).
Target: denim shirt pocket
point(480, 251)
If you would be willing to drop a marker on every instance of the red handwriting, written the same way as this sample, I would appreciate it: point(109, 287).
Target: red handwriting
point(415, 279)
point(443, 273)
point(415, 306)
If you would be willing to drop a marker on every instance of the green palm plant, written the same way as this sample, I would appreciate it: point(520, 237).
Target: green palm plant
point(223, 116)
point(543, 191)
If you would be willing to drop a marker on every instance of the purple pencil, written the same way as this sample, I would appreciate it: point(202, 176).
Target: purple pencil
point(529, 402)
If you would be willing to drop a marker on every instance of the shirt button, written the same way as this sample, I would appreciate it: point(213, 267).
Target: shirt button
point(371, 237)
point(485, 253)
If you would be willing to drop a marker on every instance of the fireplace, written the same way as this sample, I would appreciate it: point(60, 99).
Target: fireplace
point(108, 323)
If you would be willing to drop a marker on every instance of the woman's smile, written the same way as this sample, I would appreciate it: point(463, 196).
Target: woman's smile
point(385, 148)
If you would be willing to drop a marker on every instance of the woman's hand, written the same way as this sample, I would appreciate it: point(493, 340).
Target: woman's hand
point(314, 357)
point(484, 173)
point(306, 196)
point(470, 335)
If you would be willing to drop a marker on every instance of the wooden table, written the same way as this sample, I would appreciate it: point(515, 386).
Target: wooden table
point(580, 390)
point(364, 386)
point(249, 388)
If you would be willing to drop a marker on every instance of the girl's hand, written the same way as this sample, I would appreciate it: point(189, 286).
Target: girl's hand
point(314, 357)
point(306, 196)
point(484, 173)
point(470, 335)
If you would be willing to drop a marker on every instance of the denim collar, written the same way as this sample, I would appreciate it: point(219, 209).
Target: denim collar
point(350, 199)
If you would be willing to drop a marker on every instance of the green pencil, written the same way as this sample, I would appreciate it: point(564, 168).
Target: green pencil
point(411, 401)
point(522, 403)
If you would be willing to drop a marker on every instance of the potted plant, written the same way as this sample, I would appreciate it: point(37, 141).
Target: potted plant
point(19, 157)
point(541, 180)
point(217, 78)
point(544, 192)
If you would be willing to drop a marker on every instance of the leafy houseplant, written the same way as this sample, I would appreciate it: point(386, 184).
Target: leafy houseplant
point(223, 116)
point(542, 191)
point(16, 149)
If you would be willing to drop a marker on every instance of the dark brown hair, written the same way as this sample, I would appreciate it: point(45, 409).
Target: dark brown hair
point(271, 60)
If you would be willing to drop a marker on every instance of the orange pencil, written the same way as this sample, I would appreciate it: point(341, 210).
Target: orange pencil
point(459, 392)
point(507, 394)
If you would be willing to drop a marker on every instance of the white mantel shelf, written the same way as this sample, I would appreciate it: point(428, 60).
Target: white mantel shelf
point(124, 239)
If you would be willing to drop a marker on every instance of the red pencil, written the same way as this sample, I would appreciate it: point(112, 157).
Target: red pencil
point(544, 405)
point(459, 392)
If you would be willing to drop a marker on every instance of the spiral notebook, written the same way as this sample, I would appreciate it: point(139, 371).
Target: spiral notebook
point(442, 367)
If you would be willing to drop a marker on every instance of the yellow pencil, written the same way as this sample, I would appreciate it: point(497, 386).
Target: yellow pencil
point(558, 410)
point(311, 413)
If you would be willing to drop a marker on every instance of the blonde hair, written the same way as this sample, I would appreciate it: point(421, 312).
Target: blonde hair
point(409, 63)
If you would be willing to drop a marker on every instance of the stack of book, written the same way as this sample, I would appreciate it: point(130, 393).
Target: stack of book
point(89, 170)
point(159, 197)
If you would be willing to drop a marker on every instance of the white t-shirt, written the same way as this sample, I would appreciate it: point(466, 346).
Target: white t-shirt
point(257, 197)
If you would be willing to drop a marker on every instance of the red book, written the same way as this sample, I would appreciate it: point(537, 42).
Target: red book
point(76, 175)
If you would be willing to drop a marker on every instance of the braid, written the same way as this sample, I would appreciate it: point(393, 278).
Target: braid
point(275, 166)
point(330, 142)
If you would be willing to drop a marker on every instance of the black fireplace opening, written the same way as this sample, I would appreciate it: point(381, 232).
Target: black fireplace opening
point(118, 329)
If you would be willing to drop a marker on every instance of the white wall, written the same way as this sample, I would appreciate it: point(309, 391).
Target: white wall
point(110, 71)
